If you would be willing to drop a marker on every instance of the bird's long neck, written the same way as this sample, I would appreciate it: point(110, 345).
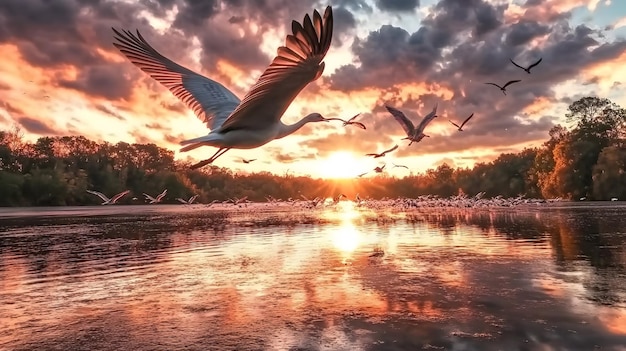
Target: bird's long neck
point(287, 129)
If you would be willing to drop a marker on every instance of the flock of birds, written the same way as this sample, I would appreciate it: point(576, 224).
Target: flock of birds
point(459, 201)
point(150, 199)
point(256, 119)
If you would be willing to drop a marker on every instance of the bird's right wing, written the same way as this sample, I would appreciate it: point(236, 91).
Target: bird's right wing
point(427, 119)
point(454, 124)
point(296, 64)
point(535, 64)
point(399, 116)
point(119, 196)
point(209, 100)
point(467, 119)
point(511, 82)
point(390, 150)
point(494, 84)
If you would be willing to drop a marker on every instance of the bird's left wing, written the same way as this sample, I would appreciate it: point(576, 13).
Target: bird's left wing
point(297, 64)
point(209, 100)
point(399, 116)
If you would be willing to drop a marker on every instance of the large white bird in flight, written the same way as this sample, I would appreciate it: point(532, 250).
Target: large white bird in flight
point(255, 120)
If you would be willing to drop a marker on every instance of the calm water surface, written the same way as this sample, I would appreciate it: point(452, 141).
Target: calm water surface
point(258, 278)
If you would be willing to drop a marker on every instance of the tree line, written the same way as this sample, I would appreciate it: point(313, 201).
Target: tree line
point(586, 160)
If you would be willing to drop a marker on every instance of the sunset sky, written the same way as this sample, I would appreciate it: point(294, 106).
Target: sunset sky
point(61, 75)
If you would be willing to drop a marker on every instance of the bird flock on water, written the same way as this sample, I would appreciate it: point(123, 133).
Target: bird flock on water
point(255, 120)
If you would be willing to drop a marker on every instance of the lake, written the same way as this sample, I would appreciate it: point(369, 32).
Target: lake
point(286, 277)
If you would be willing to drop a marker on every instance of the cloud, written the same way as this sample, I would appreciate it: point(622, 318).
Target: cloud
point(101, 81)
point(397, 5)
point(109, 111)
point(36, 126)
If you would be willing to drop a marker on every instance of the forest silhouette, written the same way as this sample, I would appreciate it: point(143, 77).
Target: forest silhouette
point(586, 160)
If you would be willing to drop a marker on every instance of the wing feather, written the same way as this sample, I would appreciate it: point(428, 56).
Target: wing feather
point(208, 99)
point(399, 116)
point(296, 64)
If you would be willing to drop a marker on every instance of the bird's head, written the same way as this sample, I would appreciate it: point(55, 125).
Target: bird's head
point(316, 117)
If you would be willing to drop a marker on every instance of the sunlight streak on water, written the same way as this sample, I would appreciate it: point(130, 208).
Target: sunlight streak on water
point(252, 279)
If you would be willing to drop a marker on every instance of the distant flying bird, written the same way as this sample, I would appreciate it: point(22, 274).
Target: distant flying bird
point(362, 174)
point(247, 161)
point(460, 127)
point(382, 153)
point(379, 169)
point(350, 121)
point(187, 202)
point(529, 67)
point(255, 120)
point(413, 134)
point(106, 200)
point(503, 88)
point(158, 198)
point(395, 165)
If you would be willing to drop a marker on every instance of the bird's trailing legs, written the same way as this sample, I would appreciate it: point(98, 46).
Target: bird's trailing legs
point(210, 160)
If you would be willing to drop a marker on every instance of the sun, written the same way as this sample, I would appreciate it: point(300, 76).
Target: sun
point(341, 164)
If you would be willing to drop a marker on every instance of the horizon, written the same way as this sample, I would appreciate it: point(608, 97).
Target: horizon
point(72, 80)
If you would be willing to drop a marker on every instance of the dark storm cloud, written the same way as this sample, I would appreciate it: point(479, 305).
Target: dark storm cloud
point(398, 5)
point(344, 23)
point(194, 13)
point(524, 31)
point(353, 5)
point(101, 81)
point(36, 126)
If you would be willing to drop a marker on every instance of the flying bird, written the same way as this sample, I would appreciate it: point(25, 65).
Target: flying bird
point(413, 134)
point(395, 165)
point(382, 153)
point(187, 202)
point(247, 161)
point(106, 200)
point(362, 174)
point(255, 120)
point(460, 127)
point(527, 69)
point(503, 88)
point(350, 121)
point(158, 198)
point(379, 169)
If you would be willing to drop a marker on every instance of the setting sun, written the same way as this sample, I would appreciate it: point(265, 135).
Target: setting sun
point(342, 164)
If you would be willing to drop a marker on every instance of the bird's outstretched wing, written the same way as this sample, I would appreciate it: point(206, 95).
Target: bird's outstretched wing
point(454, 124)
point(209, 100)
point(495, 85)
point(511, 82)
point(119, 196)
point(428, 118)
point(296, 64)
point(353, 118)
point(535, 64)
point(390, 150)
point(99, 194)
point(467, 119)
point(358, 124)
point(513, 62)
point(399, 116)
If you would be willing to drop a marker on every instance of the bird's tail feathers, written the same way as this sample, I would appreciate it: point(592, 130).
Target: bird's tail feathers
point(196, 142)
